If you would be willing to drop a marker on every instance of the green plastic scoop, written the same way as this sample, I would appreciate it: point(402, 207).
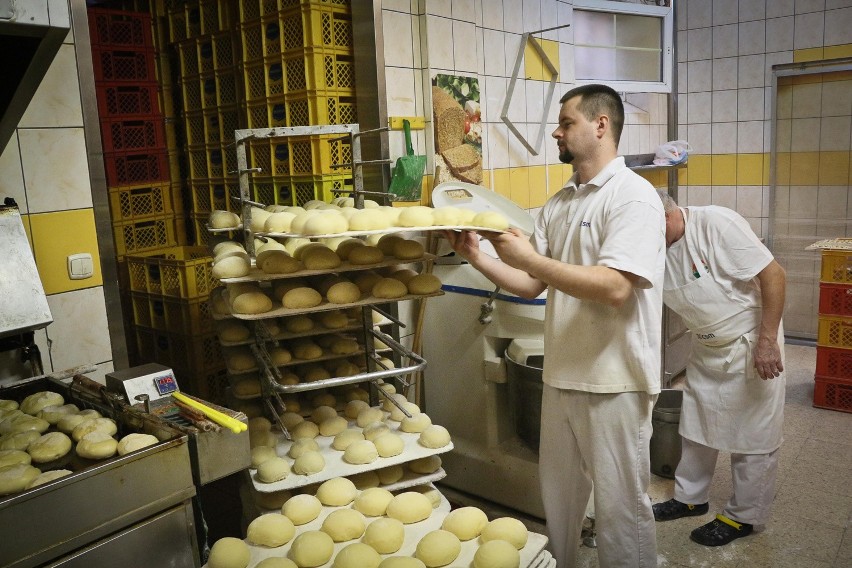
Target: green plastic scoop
point(407, 176)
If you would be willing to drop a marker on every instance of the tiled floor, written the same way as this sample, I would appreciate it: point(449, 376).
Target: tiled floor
point(811, 524)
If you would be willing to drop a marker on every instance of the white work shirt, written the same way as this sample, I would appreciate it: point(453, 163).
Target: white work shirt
point(616, 220)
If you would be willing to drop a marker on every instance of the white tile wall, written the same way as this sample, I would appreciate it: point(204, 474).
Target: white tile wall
point(464, 47)
point(750, 137)
point(77, 335)
point(751, 71)
point(834, 133)
point(809, 29)
point(699, 14)
point(439, 38)
point(838, 26)
point(750, 201)
point(779, 34)
point(65, 184)
point(724, 74)
point(57, 99)
point(724, 137)
point(836, 98)
point(725, 40)
point(699, 44)
point(832, 202)
point(803, 6)
point(724, 106)
point(750, 104)
point(752, 37)
point(752, 10)
point(700, 107)
point(399, 39)
point(724, 195)
point(776, 8)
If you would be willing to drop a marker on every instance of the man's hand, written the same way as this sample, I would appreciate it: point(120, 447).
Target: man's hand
point(465, 243)
point(513, 247)
point(767, 358)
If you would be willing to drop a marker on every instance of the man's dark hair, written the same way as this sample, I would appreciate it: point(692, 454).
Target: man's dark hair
point(596, 100)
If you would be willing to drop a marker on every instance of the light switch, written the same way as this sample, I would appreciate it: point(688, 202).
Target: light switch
point(80, 266)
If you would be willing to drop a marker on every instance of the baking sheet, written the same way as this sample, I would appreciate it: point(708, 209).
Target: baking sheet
point(327, 355)
point(257, 275)
point(413, 533)
point(225, 230)
point(318, 329)
point(389, 230)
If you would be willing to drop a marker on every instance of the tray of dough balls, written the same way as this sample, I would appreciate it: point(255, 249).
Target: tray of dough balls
point(342, 527)
point(234, 333)
point(328, 445)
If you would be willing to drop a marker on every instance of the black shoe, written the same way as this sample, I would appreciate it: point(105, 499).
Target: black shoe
point(720, 531)
point(674, 509)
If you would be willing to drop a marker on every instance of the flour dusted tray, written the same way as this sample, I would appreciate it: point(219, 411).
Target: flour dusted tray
point(386, 231)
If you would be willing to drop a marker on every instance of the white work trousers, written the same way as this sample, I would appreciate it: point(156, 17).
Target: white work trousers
point(753, 477)
point(599, 440)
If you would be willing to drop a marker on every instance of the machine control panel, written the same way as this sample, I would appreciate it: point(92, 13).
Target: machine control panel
point(155, 381)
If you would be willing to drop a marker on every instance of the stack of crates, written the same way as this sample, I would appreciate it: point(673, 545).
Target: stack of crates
point(833, 378)
point(298, 70)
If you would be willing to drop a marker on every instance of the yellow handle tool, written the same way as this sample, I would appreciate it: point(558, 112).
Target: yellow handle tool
point(220, 418)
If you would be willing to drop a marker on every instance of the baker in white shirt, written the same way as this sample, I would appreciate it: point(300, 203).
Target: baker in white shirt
point(729, 290)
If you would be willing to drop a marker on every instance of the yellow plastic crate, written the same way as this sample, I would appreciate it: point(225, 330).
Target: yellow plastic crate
point(254, 80)
point(190, 88)
point(187, 55)
point(298, 190)
point(214, 193)
point(211, 160)
point(315, 24)
point(312, 70)
point(218, 89)
point(177, 272)
point(835, 331)
point(132, 237)
point(189, 356)
point(302, 110)
point(172, 315)
point(138, 202)
point(836, 266)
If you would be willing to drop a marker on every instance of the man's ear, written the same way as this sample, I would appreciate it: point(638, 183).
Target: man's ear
point(602, 125)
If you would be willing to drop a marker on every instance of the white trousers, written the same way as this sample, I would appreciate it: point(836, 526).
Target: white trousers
point(601, 441)
point(753, 477)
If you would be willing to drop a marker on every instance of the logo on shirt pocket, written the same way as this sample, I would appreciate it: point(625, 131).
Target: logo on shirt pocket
point(586, 224)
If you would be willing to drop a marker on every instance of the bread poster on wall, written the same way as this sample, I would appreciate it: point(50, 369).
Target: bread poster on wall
point(458, 129)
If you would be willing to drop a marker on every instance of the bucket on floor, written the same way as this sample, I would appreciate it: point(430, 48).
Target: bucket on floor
point(524, 363)
point(665, 440)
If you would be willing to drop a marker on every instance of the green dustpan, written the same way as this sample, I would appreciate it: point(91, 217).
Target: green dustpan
point(407, 174)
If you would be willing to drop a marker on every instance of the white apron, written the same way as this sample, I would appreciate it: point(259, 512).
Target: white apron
point(726, 405)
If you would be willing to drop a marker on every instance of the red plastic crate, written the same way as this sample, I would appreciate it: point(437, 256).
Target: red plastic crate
point(835, 299)
point(112, 65)
point(118, 29)
point(133, 135)
point(833, 394)
point(130, 168)
point(834, 362)
point(127, 101)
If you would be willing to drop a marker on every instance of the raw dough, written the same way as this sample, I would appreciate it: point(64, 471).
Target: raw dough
point(262, 438)
point(327, 223)
point(297, 225)
point(346, 369)
point(259, 423)
point(49, 476)
point(344, 346)
point(425, 466)
point(432, 494)
point(337, 492)
point(232, 331)
point(276, 563)
point(390, 474)
point(278, 262)
point(354, 407)
point(96, 445)
point(309, 463)
point(133, 442)
point(220, 219)
point(229, 552)
point(305, 429)
point(302, 445)
point(20, 422)
point(417, 423)
point(272, 500)
point(316, 373)
point(298, 324)
point(402, 562)
point(16, 477)
point(434, 437)
point(345, 438)
point(311, 549)
point(69, 422)
point(344, 524)
point(409, 507)
point(260, 454)
point(375, 429)
point(320, 258)
point(490, 220)
point(322, 412)
point(52, 414)
point(438, 548)
point(447, 216)
point(365, 255)
point(508, 529)
point(246, 388)
point(396, 414)
point(408, 250)
point(12, 457)
point(389, 288)
point(424, 284)
point(280, 356)
point(344, 293)
point(325, 399)
point(258, 219)
point(333, 426)
point(404, 275)
point(306, 349)
point(389, 445)
point(302, 509)
point(365, 480)
point(496, 554)
point(251, 303)
point(271, 530)
point(291, 419)
point(334, 320)
point(301, 298)
point(357, 394)
point(466, 522)
point(374, 502)
point(360, 452)
point(239, 359)
point(105, 425)
point(366, 280)
point(19, 440)
point(279, 222)
point(272, 470)
point(368, 220)
point(37, 401)
point(292, 244)
point(416, 216)
point(388, 242)
point(344, 248)
point(231, 267)
point(49, 447)
point(357, 555)
point(370, 415)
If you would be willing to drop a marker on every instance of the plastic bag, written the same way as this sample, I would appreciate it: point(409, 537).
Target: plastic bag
point(672, 152)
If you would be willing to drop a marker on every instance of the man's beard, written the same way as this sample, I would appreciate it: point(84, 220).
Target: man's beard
point(565, 156)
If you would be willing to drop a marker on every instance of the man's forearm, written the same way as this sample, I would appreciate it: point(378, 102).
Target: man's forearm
point(773, 285)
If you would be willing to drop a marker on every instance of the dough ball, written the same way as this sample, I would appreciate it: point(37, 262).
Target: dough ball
point(357, 555)
point(337, 492)
point(271, 530)
point(96, 445)
point(375, 429)
point(276, 563)
point(344, 346)
point(281, 287)
point(297, 224)
point(447, 216)
point(424, 284)
point(387, 243)
point(496, 554)
point(259, 424)
point(360, 452)
point(397, 415)
point(50, 447)
point(231, 267)
point(309, 463)
point(385, 535)
point(366, 280)
point(434, 437)
point(260, 454)
point(490, 220)
point(325, 399)
point(344, 293)
point(251, 303)
point(229, 330)
point(409, 507)
point(322, 412)
point(305, 429)
point(370, 415)
point(298, 324)
point(262, 438)
point(389, 445)
point(306, 349)
point(293, 244)
point(301, 298)
point(133, 442)
point(311, 549)
point(416, 424)
point(334, 319)
point(354, 407)
point(16, 477)
point(278, 262)
point(272, 470)
point(425, 465)
point(69, 422)
point(364, 255)
point(12, 457)
point(438, 548)
point(506, 528)
point(279, 222)
point(373, 503)
point(246, 388)
point(416, 216)
point(280, 356)
point(365, 480)
point(315, 373)
point(105, 425)
point(52, 414)
point(333, 426)
point(291, 419)
point(403, 275)
point(20, 422)
point(466, 522)
point(37, 401)
point(368, 220)
point(19, 440)
point(223, 220)
point(408, 250)
point(386, 363)
point(262, 247)
point(302, 445)
point(229, 552)
point(357, 394)
point(327, 223)
point(345, 438)
point(390, 474)
point(239, 359)
point(270, 500)
point(433, 495)
point(389, 288)
point(224, 247)
point(344, 524)
point(302, 509)
point(49, 476)
point(7, 404)
point(320, 258)
point(402, 562)
point(345, 247)
point(258, 219)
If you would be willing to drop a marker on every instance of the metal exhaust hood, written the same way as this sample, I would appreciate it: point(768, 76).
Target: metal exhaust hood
point(31, 32)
